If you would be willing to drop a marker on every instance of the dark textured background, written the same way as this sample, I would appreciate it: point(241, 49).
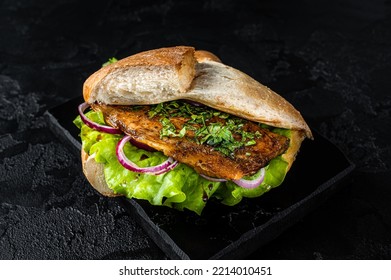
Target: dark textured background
point(331, 59)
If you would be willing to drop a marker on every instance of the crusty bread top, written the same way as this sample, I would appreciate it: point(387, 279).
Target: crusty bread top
point(166, 74)
point(230, 90)
point(166, 70)
point(202, 55)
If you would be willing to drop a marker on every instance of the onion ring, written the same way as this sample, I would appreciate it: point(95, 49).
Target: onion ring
point(251, 184)
point(103, 128)
point(244, 183)
point(164, 167)
point(212, 179)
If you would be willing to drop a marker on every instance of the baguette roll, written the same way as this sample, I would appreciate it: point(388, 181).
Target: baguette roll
point(167, 74)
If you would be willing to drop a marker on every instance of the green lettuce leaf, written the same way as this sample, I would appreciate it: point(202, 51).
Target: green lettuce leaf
point(181, 188)
point(231, 194)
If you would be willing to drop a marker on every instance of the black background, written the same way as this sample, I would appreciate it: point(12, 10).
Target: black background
point(331, 59)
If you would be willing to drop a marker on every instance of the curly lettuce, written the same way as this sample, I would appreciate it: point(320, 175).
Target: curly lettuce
point(181, 188)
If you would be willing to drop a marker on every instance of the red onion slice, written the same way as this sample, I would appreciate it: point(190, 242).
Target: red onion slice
point(248, 184)
point(251, 184)
point(164, 167)
point(212, 179)
point(103, 128)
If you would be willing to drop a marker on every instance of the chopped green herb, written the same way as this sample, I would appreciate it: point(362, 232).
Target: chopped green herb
point(250, 142)
point(168, 128)
point(110, 61)
point(210, 126)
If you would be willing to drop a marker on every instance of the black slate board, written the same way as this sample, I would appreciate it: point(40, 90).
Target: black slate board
point(224, 232)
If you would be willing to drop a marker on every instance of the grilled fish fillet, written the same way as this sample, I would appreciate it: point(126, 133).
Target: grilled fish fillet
point(203, 158)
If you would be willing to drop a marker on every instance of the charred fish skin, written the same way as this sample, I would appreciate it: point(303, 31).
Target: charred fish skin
point(196, 142)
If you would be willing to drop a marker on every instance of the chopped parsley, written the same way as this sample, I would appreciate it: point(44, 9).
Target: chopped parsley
point(169, 130)
point(209, 126)
point(110, 61)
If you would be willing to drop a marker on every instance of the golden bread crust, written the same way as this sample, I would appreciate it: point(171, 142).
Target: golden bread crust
point(164, 57)
point(227, 89)
point(202, 55)
point(211, 83)
point(95, 175)
point(296, 139)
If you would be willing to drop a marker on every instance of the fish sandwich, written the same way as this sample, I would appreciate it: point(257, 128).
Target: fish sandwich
point(177, 127)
